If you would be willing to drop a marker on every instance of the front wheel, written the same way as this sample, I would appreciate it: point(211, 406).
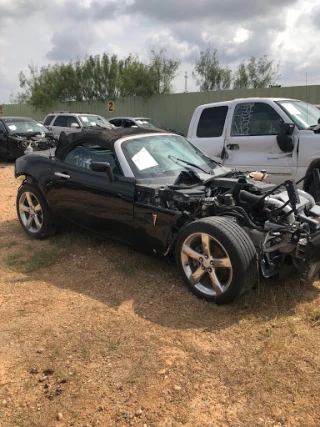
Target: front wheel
point(314, 191)
point(33, 212)
point(217, 259)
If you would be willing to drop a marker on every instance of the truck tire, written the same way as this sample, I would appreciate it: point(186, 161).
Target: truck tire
point(315, 193)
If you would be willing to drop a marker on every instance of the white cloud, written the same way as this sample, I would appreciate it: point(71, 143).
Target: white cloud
point(241, 36)
point(61, 30)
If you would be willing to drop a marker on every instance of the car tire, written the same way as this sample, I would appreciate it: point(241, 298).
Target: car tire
point(33, 212)
point(217, 259)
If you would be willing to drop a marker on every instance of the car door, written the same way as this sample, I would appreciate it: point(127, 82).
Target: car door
point(209, 135)
point(251, 141)
point(73, 125)
point(48, 120)
point(59, 124)
point(86, 198)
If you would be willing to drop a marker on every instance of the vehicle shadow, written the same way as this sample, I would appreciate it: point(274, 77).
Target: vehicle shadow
point(6, 163)
point(118, 276)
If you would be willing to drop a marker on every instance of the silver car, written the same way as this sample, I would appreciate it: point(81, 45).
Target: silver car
point(67, 122)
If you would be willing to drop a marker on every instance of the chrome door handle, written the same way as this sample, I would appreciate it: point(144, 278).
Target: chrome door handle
point(62, 175)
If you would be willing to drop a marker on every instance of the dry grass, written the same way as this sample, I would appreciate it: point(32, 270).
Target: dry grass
point(109, 337)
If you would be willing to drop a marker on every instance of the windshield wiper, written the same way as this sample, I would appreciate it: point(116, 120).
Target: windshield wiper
point(173, 158)
point(209, 158)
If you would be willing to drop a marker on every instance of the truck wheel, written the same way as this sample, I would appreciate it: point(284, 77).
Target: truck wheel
point(217, 259)
point(312, 189)
point(33, 212)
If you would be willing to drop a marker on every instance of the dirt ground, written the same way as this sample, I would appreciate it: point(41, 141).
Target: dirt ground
point(95, 334)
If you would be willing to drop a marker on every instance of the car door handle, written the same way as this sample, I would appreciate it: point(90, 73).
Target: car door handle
point(233, 147)
point(62, 175)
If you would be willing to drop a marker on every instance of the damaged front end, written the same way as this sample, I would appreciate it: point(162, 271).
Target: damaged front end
point(19, 144)
point(291, 230)
point(282, 223)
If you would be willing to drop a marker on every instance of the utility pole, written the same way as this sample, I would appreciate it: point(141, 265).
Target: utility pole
point(186, 82)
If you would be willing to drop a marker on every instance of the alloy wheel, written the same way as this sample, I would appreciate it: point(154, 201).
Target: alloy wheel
point(30, 212)
point(206, 264)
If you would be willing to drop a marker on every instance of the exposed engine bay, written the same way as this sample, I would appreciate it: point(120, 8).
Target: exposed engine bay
point(282, 221)
point(19, 144)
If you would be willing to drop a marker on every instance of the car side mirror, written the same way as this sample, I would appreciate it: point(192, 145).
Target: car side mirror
point(75, 125)
point(287, 128)
point(284, 139)
point(103, 167)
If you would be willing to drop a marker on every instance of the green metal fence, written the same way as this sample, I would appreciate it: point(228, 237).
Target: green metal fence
point(173, 111)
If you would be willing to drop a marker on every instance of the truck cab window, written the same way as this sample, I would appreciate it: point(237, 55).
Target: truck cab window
point(254, 119)
point(211, 122)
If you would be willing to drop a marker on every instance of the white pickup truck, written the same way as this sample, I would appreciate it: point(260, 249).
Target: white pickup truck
point(272, 134)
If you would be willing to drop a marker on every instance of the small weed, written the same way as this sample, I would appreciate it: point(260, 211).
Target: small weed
point(85, 353)
point(65, 241)
point(14, 261)
point(73, 239)
point(127, 268)
point(20, 263)
point(315, 317)
point(8, 244)
point(22, 312)
point(54, 350)
point(41, 258)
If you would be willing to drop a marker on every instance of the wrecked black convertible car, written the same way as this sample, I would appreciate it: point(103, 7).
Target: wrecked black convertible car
point(21, 134)
point(160, 194)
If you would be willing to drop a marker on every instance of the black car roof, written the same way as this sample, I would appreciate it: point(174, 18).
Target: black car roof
point(15, 118)
point(105, 138)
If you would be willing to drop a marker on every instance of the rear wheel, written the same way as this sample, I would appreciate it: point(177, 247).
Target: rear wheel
point(33, 212)
point(217, 259)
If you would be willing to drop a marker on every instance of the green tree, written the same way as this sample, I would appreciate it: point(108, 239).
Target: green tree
point(163, 71)
point(139, 79)
point(40, 87)
point(91, 79)
point(136, 78)
point(114, 78)
point(208, 72)
point(256, 73)
point(97, 78)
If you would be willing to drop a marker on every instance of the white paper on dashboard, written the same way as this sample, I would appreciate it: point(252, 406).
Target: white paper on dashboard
point(144, 160)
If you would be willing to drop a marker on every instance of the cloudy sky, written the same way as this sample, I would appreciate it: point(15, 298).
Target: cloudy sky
point(48, 31)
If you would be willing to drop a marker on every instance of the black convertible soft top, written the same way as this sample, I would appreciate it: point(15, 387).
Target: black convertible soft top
point(105, 138)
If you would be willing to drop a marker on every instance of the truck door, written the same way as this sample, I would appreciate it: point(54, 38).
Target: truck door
point(209, 134)
point(251, 142)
